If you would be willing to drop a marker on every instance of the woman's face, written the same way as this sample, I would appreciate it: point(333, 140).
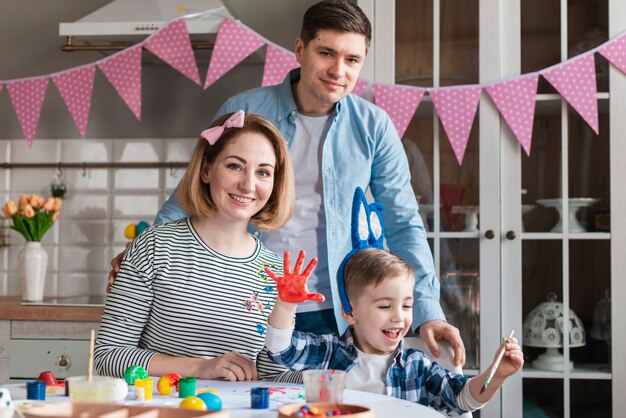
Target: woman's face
point(241, 178)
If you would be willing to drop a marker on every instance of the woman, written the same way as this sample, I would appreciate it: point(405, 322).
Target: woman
point(191, 296)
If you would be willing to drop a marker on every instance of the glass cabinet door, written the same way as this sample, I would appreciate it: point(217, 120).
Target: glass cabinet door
point(565, 197)
point(437, 45)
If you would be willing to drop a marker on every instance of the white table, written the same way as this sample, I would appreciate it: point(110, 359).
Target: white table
point(236, 399)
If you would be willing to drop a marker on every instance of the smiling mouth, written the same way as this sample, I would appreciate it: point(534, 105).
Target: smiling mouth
point(333, 84)
point(241, 199)
point(393, 334)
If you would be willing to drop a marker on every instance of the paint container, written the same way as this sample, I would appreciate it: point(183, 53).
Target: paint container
point(260, 398)
point(324, 385)
point(36, 390)
point(143, 389)
point(186, 387)
point(101, 389)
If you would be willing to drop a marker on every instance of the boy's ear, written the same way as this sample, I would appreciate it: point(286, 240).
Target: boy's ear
point(349, 317)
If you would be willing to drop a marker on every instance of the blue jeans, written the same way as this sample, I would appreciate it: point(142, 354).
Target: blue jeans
point(317, 322)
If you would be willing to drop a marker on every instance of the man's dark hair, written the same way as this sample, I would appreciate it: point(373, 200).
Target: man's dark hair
point(339, 15)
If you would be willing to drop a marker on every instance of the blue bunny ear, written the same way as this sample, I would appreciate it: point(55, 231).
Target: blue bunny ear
point(377, 227)
point(360, 222)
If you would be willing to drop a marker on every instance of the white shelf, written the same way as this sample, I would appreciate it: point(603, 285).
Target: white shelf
point(454, 235)
point(580, 371)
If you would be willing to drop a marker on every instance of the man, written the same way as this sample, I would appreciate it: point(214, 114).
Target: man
point(338, 142)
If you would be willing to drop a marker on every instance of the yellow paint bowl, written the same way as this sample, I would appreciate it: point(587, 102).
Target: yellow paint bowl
point(101, 389)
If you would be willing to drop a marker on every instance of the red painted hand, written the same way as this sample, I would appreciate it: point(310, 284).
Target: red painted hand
point(292, 286)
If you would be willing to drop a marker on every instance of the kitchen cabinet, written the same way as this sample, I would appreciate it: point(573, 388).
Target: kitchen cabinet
point(39, 338)
point(500, 232)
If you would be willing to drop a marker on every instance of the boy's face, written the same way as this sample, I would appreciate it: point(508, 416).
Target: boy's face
point(382, 315)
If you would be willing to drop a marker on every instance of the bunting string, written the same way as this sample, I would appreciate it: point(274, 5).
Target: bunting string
point(456, 106)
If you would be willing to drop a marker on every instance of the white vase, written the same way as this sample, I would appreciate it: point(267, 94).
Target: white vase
point(33, 263)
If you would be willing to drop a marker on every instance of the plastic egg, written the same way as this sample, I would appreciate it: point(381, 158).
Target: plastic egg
point(131, 231)
point(133, 373)
point(211, 400)
point(168, 382)
point(193, 402)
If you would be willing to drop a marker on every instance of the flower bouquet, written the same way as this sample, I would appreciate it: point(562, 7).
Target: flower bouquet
point(32, 217)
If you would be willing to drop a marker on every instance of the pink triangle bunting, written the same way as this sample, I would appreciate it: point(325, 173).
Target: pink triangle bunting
point(76, 88)
point(27, 97)
point(360, 87)
point(615, 52)
point(456, 108)
point(171, 43)
point(515, 100)
point(575, 80)
point(399, 102)
point(234, 43)
point(123, 70)
point(278, 62)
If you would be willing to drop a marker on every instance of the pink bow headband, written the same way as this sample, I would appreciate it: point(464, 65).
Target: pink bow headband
point(234, 121)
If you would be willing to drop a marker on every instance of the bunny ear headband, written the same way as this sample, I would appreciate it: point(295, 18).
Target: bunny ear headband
point(367, 231)
point(234, 121)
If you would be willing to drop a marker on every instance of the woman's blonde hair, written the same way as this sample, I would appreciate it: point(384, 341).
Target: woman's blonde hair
point(194, 196)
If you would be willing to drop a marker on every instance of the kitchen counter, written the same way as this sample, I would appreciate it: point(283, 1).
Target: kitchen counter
point(11, 309)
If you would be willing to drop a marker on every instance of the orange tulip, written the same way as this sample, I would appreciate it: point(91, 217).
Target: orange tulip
point(57, 203)
point(9, 209)
point(36, 201)
point(55, 216)
point(24, 200)
point(29, 212)
point(49, 204)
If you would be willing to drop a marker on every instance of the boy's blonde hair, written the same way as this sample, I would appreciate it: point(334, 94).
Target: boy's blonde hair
point(371, 266)
point(194, 196)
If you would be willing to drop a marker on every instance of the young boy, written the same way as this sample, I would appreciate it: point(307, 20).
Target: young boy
point(379, 286)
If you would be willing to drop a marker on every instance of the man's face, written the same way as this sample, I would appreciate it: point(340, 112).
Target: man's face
point(330, 66)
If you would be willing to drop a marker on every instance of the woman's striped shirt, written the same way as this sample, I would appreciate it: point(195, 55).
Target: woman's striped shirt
point(175, 295)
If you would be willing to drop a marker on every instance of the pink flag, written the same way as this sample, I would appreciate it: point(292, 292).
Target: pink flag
point(172, 44)
point(278, 62)
point(515, 101)
point(360, 87)
point(575, 80)
point(27, 97)
point(234, 43)
point(123, 70)
point(400, 102)
point(456, 107)
point(76, 87)
point(615, 52)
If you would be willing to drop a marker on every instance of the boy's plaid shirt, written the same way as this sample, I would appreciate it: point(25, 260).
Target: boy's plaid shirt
point(412, 376)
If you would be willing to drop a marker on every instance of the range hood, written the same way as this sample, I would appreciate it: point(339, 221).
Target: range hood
point(126, 20)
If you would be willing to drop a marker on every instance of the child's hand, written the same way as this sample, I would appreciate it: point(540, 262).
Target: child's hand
point(513, 359)
point(292, 286)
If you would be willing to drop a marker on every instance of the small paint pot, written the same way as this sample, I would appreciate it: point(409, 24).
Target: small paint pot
point(260, 398)
point(186, 387)
point(36, 390)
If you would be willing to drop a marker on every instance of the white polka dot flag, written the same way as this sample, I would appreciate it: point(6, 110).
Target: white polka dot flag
point(233, 44)
point(278, 63)
point(456, 108)
point(123, 70)
point(615, 52)
point(172, 44)
point(76, 88)
point(360, 87)
point(27, 97)
point(575, 80)
point(400, 103)
point(515, 100)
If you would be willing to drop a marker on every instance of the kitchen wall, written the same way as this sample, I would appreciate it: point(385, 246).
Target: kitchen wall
point(101, 202)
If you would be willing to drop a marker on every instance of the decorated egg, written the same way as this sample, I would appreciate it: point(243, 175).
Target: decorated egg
point(211, 400)
point(193, 402)
point(133, 373)
point(168, 382)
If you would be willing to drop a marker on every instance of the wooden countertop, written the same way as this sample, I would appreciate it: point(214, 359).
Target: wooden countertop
point(11, 308)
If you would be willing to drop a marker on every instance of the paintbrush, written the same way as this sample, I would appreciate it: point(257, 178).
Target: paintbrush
point(496, 363)
point(90, 364)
